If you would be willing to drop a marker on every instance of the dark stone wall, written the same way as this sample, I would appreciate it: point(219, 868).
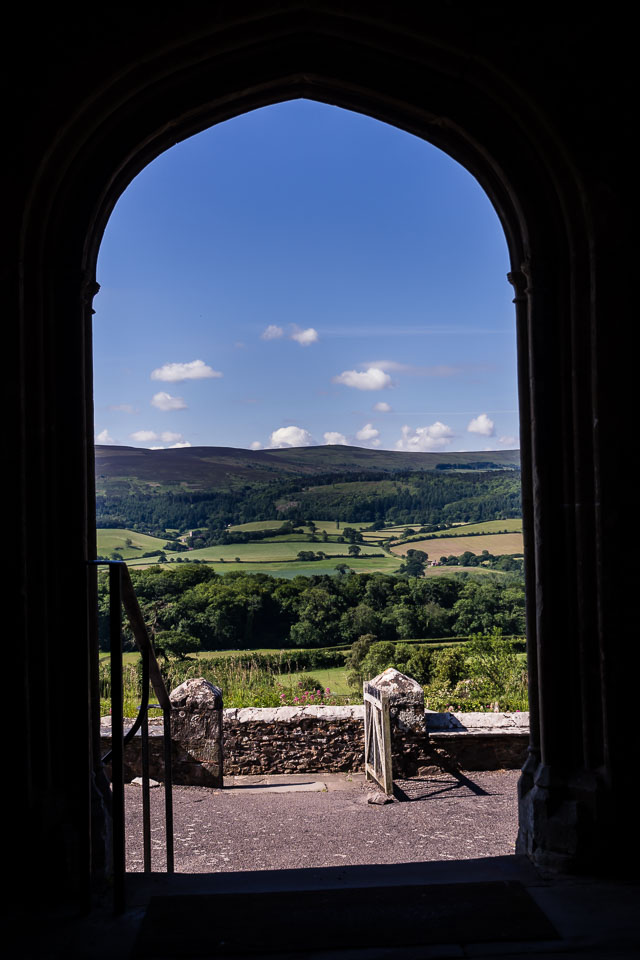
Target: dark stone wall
point(538, 103)
point(261, 740)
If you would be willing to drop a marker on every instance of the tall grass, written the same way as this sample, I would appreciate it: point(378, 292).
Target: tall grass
point(243, 684)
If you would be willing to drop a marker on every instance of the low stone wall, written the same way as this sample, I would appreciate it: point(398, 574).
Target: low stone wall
point(476, 741)
point(293, 739)
point(318, 739)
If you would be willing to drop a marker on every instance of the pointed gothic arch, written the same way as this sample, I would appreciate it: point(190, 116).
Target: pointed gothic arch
point(444, 83)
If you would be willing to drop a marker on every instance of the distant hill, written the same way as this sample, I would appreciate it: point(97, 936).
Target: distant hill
point(216, 468)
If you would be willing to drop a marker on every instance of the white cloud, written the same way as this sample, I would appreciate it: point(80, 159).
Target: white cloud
point(333, 437)
point(304, 337)
point(146, 436)
point(272, 332)
point(174, 372)
point(122, 408)
point(372, 379)
point(508, 441)
point(435, 437)
point(483, 425)
point(368, 432)
point(382, 407)
point(256, 445)
point(164, 401)
point(104, 437)
point(178, 446)
point(290, 437)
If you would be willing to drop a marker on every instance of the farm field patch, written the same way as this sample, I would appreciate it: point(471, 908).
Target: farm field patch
point(292, 568)
point(112, 538)
point(332, 678)
point(331, 526)
point(455, 546)
point(513, 525)
point(273, 550)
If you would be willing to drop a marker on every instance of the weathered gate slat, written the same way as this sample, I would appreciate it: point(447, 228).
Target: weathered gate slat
point(377, 737)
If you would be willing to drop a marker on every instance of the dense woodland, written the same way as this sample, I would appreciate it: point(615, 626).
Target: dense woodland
point(194, 608)
point(409, 497)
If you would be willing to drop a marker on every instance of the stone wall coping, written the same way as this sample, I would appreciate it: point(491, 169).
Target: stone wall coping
point(436, 723)
point(156, 726)
point(292, 714)
point(517, 722)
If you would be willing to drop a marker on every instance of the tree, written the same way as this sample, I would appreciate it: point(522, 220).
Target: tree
point(380, 656)
point(415, 562)
point(175, 643)
point(354, 550)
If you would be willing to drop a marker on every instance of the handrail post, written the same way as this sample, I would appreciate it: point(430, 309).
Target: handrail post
point(121, 594)
point(168, 788)
point(117, 735)
point(144, 734)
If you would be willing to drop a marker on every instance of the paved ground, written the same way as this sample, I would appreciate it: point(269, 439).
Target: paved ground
point(323, 820)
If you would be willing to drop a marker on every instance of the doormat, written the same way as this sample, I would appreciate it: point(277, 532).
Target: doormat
point(231, 924)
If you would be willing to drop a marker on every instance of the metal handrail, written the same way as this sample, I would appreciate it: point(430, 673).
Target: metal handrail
point(122, 594)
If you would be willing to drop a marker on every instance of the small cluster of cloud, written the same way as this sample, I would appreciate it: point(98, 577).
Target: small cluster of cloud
point(434, 437)
point(104, 437)
point(272, 332)
point(304, 337)
point(382, 407)
point(372, 379)
point(333, 437)
point(483, 425)
point(147, 436)
point(290, 437)
point(175, 372)
point(369, 434)
point(164, 401)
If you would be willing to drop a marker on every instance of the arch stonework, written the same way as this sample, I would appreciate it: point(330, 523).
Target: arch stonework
point(512, 101)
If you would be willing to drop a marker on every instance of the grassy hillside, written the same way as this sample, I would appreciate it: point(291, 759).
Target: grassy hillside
point(211, 468)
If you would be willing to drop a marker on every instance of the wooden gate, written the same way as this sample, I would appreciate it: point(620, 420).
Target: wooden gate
point(377, 737)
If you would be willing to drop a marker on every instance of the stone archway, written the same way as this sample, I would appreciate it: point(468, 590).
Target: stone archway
point(446, 82)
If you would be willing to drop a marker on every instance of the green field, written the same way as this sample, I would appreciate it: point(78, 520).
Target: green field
point(487, 526)
point(396, 532)
point(278, 555)
point(111, 538)
point(292, 568)
point(331, 526)
point(270, 550)
point(334, 678)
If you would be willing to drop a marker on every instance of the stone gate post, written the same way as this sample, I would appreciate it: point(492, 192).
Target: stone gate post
point(406, 709)
point(196, 724)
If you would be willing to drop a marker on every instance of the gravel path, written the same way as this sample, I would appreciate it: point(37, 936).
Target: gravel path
point(326, 820)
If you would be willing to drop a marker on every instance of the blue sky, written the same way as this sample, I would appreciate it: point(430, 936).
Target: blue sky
point(302, 274)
